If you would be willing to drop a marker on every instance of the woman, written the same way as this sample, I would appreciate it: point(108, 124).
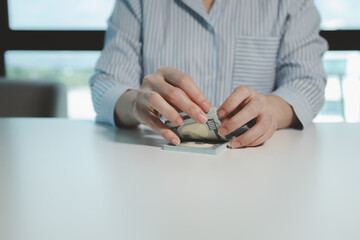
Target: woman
point(259, 61)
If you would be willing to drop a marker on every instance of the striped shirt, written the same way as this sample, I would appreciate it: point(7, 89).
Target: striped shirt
point(272, 46)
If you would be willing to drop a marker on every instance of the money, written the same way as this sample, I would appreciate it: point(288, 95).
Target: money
point(197, 147)
point(201, 138)
point(193, 131)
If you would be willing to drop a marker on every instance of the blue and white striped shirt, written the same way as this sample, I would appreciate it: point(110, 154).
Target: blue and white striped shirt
point(272, 46)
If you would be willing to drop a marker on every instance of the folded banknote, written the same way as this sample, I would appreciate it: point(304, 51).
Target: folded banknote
point(197, 147)
point(201, 138)
point(193, 131)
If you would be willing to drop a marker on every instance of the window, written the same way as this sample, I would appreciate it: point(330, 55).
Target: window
point(342, 93)
point(37, 59)
point(73, 68)
point(342, 98)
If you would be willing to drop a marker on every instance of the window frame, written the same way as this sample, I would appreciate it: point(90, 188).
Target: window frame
point(78, 40)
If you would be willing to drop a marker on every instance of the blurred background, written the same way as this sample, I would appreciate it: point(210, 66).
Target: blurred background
point(65, 38)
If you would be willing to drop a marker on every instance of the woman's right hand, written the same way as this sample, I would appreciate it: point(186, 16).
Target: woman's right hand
point(164, 93)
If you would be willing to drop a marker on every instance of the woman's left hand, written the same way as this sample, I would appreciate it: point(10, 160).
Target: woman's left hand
point(264, 113)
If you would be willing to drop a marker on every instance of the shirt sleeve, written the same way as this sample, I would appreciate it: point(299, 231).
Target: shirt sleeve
point(301, 78)
point(120, 64)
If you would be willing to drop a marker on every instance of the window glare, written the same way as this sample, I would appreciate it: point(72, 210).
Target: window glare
point(342, 93)
point(339, 14)
point(59, 14)
point(93, 14)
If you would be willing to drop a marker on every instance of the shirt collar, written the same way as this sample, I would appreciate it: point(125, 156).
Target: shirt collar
point(198, 7)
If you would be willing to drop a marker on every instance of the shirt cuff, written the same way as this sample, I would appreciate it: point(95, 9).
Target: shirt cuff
point(108, 103)
point(298, 102)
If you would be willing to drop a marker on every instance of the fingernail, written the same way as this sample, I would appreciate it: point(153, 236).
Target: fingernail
point(175, 141)
point(221, 114)
point(179, 121)
point(205, 105)
point(223, 131)
point(202, 118)
point(235, 145)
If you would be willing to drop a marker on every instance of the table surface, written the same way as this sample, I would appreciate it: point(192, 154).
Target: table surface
point(66, 179)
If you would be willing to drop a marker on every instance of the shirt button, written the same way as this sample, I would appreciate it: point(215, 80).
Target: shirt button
point(209, 78)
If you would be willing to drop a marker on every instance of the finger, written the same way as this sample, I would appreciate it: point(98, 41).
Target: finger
point(233, 101)
point(263, 138)
point(249, 112)
point(262, 126)
point(178, 97)
point(188, 85)
point(157, 125)
point(176, 108)
point(157, 102)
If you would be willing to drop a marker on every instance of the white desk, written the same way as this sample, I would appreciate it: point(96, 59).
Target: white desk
point(62, 179)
